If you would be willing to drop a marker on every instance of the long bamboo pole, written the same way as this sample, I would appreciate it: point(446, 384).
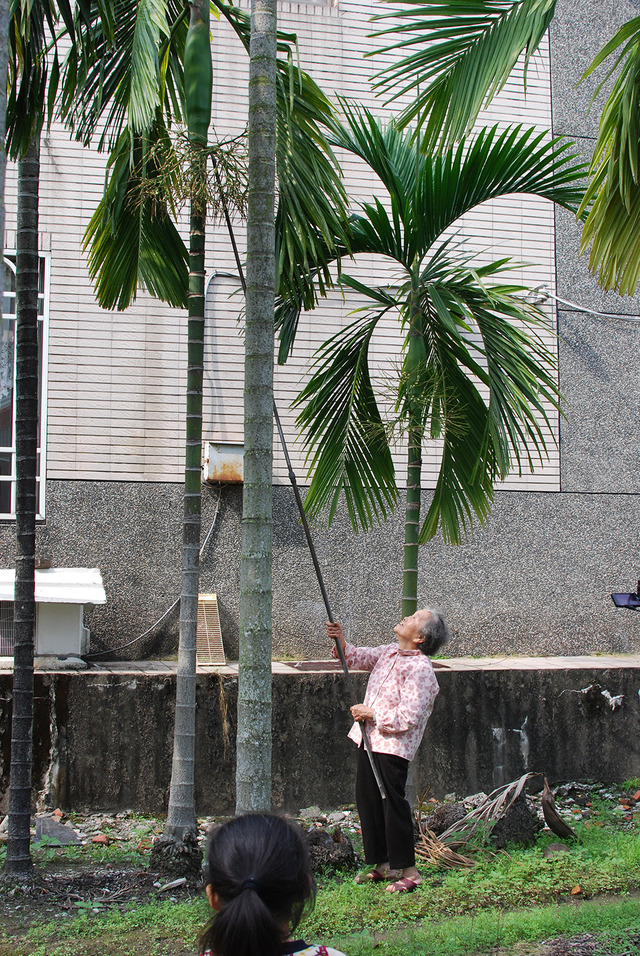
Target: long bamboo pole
point(325, 596)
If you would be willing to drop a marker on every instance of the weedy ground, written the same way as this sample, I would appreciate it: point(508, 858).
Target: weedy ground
point(100, 897)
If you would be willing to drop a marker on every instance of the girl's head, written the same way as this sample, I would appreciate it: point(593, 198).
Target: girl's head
point(259, 881)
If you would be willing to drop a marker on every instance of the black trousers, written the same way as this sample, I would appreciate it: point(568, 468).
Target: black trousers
point(387, 825)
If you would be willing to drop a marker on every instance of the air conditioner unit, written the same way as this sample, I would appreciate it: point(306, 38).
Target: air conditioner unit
point(223, 462)
point(61, 596)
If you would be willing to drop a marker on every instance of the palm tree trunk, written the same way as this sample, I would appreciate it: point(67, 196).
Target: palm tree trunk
point(18, 860)
point(412, 524)
point(253, 770)
point(180, 828)
point(4, 59)
point(413, 369)
point(181, 816)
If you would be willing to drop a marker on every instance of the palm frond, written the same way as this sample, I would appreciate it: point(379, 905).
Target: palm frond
point(34, 70)
point(311, 220)
point(99, 87)
point(459, 55)
point(347, 450)
point(611, 202)
point(429, 193)
point(144, 99)
point(134, 243)
point(487, 398)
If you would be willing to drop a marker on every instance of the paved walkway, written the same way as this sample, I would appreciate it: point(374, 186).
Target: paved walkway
point(597, 662)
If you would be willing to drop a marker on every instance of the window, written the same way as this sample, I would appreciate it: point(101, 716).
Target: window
point(7, 635)
point(8, 387)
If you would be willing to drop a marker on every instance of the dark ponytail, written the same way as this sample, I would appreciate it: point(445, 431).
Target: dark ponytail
point(259, 866)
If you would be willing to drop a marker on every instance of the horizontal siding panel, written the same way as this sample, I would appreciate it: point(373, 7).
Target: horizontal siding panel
point(116, 380)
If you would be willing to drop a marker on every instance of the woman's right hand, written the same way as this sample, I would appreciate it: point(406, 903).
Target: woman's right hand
point(334, 632)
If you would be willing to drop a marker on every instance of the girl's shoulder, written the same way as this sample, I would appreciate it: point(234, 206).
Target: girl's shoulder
point(319, 951)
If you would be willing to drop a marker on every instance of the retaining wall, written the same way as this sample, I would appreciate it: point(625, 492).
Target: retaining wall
point(103, 740)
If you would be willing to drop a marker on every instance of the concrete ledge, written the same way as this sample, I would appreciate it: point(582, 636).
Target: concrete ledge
point(596, 661)
point(103, 737)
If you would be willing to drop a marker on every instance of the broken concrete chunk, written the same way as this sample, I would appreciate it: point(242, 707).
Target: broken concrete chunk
point(56, 833)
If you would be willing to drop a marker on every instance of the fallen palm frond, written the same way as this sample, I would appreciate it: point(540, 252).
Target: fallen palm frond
point(487, 814)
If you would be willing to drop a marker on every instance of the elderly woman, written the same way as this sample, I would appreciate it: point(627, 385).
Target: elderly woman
point(398, 702)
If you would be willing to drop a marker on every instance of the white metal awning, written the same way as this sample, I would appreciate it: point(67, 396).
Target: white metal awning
point(59, 586)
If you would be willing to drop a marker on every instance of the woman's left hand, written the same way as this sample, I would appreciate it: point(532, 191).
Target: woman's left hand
point(361, 713)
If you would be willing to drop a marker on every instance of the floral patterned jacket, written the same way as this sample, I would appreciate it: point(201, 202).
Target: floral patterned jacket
point(401, 691)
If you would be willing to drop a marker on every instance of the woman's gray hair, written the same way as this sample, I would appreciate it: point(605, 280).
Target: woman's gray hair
point(434, 631)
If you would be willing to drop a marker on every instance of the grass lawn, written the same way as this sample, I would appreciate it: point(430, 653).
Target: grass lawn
point(511, 902)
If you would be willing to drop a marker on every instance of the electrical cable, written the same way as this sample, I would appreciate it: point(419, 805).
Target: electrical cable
point(542, 292)
point(121, 647)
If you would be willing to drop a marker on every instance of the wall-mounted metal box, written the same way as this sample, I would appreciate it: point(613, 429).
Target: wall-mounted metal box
point(223, 462)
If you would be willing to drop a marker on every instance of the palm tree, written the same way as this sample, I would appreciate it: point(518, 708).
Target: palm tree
point(180, 828)
point(33, 68)
point(253, 750)
point(18, 859)
point(469, 375)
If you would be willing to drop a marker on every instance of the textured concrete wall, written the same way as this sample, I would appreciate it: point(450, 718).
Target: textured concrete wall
point(105, 742)
point(599, 355)
point(537, 579)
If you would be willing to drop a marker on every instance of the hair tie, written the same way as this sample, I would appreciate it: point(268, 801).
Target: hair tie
point(250, 884)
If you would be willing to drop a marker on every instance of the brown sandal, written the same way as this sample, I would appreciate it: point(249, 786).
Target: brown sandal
point(404, 885)
point(373, 876)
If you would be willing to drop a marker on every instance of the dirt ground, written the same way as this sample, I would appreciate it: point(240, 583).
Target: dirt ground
point(73, 889)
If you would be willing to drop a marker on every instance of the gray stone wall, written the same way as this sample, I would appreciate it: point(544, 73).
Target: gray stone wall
point(104, 741)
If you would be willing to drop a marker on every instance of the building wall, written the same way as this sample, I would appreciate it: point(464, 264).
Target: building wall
point(536, 579)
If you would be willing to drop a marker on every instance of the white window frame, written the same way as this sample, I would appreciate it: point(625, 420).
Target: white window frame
point(43, 297)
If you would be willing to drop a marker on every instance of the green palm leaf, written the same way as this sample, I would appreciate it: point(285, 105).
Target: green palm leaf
point(118, 78)
point(488, 400)
point(133, 242)
point(611, 202)
point(34, 67)
point(430, 192)
point(150, 25)
point(459, 56)
point(347, 450)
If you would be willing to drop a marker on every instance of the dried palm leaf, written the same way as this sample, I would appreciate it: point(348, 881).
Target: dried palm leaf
point(430, 849)
point(552, 819)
